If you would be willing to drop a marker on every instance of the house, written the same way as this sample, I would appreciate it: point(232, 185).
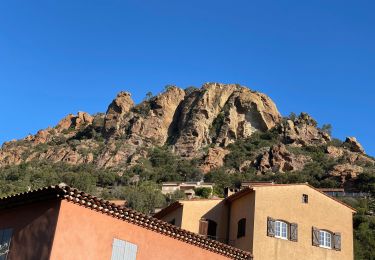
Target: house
point(60, 222)
point(272, 221)
point(187, 187)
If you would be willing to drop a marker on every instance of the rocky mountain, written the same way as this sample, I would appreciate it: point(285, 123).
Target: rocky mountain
point(196, 123)
point(187, 120)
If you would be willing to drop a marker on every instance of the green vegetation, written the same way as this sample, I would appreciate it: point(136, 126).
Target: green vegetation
point(203, 192)
point(364, 228)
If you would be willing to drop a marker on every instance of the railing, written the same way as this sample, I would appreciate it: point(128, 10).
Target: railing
point(347, 194)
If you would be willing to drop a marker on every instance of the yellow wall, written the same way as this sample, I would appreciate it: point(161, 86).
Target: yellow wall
point(242, 208)
point(285, 202)
point(176, 215)
point(193, 210)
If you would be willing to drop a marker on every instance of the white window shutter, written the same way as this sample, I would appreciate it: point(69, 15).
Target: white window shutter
point(123, 250)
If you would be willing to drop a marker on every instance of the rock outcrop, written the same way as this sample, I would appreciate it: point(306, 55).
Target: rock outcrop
point(303, 131)
point(354, 145)
point(119, 107)
point(346, 171)
point(221, 114)
point(279, 159)
point(214, 159)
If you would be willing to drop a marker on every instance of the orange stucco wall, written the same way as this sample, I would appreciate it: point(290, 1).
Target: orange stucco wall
point(33, 229)
point(82, 233)
point(285, 202)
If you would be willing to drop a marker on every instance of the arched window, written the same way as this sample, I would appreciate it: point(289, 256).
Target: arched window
point(281, 229)
point(325, 239)
point(241, 228)
point(211, 231)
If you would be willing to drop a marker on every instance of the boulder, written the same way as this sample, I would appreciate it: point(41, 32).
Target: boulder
point(354, 145)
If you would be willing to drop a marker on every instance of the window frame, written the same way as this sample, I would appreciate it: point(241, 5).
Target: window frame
point(305, 198)
point(324, 239)
point(279, 226)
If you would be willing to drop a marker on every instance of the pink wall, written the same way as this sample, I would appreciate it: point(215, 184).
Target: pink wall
point(83, 233)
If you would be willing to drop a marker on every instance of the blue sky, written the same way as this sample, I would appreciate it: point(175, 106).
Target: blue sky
point(60, 57)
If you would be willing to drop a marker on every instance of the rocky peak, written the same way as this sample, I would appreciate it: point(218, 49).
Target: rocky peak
point(120, 106)
point(221, 114)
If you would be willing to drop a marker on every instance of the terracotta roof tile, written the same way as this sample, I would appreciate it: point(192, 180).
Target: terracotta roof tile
point(64, 192)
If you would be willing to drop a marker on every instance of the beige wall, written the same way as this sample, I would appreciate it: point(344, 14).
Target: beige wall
point(284, 202)
point(193, 210)
point(176, 215)
point(82, 234)
point(242, 208)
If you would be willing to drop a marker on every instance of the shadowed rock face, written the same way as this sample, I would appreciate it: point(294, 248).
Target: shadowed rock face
point(220, 114)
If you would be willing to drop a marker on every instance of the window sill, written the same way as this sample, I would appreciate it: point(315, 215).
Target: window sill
point(282, 238)
point(325, 247)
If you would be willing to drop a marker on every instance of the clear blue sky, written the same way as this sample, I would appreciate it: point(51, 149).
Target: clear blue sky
point(59, 57)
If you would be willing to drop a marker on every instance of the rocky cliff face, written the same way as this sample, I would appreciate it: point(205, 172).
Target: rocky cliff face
point(197, 123)
point(187, 121)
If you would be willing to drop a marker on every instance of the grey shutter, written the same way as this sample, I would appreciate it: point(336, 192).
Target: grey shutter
point(337, 241)
point(5, 238)
point(203, 227)
point(270, 227)
point(315, 236)
point(123, 250)
point(293, 232)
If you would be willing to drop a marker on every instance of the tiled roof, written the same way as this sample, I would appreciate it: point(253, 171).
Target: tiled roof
point(64, 192)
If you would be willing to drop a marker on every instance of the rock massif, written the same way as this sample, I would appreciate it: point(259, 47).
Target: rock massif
point(186, 120)
point(196, 123)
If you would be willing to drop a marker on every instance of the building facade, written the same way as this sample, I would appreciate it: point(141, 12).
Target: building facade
point(292, 221)
point(60, 222)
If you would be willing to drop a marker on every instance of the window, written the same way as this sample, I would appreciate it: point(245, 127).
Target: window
point(305, 198)
point(5, 238)
point(281, 229)
point(241, 228)
point(211, 230)
point(123, 250)
point(325, 239)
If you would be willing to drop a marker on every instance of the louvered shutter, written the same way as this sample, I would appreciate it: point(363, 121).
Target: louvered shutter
point(5, 238)
point(123, 250)
point(270, 227)
point(315, 236)
point(337, 241)
point(203, 227)
point(293, 232)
